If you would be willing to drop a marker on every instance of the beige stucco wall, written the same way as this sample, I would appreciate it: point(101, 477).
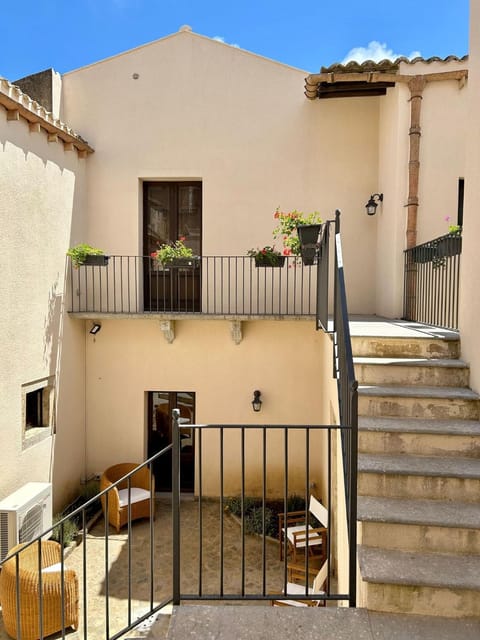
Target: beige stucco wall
point(444, 128)
point(241, 124)
point(131, 357)
point(469, 298)
point(41, 191)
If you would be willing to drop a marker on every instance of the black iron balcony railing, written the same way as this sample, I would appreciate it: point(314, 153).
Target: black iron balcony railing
point(213, 285)
point(431, 281)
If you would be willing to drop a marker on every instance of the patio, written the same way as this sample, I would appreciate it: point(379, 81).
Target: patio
point(94, 546)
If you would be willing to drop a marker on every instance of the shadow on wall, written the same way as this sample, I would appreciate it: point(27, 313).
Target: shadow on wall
point(52, 328)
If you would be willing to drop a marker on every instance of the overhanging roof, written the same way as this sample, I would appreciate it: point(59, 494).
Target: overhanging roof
point(368, 78)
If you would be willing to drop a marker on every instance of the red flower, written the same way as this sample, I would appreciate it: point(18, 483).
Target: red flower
point(287, 252)
point(153, 254)
point(276, 214)
point(182, 238)
point(264, 251)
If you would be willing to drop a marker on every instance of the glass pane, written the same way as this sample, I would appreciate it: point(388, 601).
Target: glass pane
point(189, 216)
point(158, 216)
point(160, 414)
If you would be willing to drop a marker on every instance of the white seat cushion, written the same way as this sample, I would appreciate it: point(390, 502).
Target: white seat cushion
point(290, 603)
point(313, 538)
point(136, 495)
point(294, 589)
point(53, 568)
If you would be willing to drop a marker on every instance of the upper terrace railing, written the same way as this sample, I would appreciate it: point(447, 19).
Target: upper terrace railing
point(431, 281)
point(212, 285)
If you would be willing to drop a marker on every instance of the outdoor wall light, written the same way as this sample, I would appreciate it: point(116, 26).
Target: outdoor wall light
point(371, 205)
point(256, 402)
point(95, 328)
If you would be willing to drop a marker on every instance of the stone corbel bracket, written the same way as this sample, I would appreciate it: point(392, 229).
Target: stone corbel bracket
point(168, 329)
point(236, 331)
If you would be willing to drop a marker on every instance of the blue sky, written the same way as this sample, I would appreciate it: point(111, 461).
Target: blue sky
point(67, 34)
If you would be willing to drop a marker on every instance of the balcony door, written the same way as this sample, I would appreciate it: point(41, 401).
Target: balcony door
point(160, 406)
point(172, 211)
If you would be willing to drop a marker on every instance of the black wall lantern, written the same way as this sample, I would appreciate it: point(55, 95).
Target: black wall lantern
point(371, 205)
point(256, 402)
point(95, 328)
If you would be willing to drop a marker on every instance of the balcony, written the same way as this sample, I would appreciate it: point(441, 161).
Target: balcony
point(214, 286)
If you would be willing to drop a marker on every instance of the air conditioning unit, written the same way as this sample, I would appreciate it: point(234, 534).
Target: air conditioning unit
point(24, 515)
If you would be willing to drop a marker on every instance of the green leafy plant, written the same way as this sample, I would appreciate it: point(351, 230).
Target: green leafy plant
point(168, 251)
point(252, 512)
point(70, 530)
point(454, 229)
point(254, 522)
point(268, 255)
point(79, 253)
point(287, 228)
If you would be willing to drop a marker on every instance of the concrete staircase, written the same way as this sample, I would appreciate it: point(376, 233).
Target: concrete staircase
point(419, 477)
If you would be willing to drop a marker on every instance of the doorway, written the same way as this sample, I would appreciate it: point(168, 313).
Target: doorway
point(160, 407)
point(172, 211)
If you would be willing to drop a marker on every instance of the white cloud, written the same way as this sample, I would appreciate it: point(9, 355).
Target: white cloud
point(222, 39)
point(375, 51)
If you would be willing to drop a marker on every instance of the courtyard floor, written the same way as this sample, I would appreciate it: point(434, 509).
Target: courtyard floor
point(94, 546)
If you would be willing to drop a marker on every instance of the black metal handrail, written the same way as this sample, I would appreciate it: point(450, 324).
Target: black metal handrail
point(80, 515)
point(212, 285)
point(344, 372)
point(432, 281)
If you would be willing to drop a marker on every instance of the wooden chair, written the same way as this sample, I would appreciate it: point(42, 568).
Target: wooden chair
point(298, 588)
point(142, 486)
point(29, 592)
point(299, 532)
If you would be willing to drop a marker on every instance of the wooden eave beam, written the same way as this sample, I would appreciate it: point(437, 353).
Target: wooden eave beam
point(312, 81)
point(12, 105)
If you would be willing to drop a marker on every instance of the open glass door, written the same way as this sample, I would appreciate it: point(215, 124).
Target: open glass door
point(172, 211)
point(160, 406)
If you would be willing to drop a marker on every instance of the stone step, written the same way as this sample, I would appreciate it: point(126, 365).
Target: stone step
point(419, 436)
point(244, 622)
point(439, 403)
point(405, 347)
point(419, 525)
point(431, 478)
point(412, 371)
point(420, 583)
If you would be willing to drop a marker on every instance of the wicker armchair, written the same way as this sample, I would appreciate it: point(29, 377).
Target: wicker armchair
point(140, 492)
point(29, 592)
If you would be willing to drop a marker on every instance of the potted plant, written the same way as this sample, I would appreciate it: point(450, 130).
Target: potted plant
point(267, 257)
point(451, 243)
point(84, 254)
point(287, 230)
point(176, 254)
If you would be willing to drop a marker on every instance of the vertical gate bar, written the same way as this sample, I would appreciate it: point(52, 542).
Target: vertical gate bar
point(84, 575)
point(200, 515)
point(353, 493)
point(129, 549)
point(176, 508)
point(221, 512)
point(107, 580)
point(285, 505)
point(17, 595)
point(152, 533)
point(40, 579)
point(307, 497)
point(243, 508)
point(329, 499)
point(264, 499)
